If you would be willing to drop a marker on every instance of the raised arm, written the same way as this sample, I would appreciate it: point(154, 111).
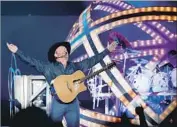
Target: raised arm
point(33, 62)
point(90, 62)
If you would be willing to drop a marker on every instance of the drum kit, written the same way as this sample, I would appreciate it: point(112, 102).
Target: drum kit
point(150, 84)
point(159, 81)
point(144, 80)
point(140, 77)
point(156, 87)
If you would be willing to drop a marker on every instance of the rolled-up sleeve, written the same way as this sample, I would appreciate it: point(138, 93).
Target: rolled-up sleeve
point(90, 62)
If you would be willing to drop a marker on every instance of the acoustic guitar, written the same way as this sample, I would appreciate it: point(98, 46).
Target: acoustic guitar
point(67, 87)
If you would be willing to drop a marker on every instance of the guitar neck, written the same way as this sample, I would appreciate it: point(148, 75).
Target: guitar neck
point(93, 74)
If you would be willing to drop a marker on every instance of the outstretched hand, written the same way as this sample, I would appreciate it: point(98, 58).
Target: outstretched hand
point(112, 46)
point(13, 48)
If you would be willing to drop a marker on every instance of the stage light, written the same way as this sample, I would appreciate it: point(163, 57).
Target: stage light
point(167, 32)
point(143, 18)
point(118, 23)
point(149, 9)
point(166, 61)
point(159, 41)
point(155, 58)
point(154, 23)
point(101, 20)
point(142, 9)
point(125, 21)
point(132, 93)
point(159, 25)
point(109, 118)
point(171, 35)
point(168, 9)
point(121, 3)
point(157, 37)
point(106, 8)
point(135, 44)
point(155, 8)
point(131, 56)
point(102, 7)
point(136, 19)
point(118, 2)
point(126, 102)
point(139, 24)
point(124, 12)
point(144, 53)
point(142, 43)
point(150, 17)
point(129, 11)
point(148, 31)
point(170, 108)
point(174, 9)
point(143, 28)
point(162, 29)
point(114, 2)
point(148, 42)
point(129, 6)
point(164, 17)
point(156, 51)
point(162, 52)
point(150, 52)
point(109, 9)
point(121, 56)
point(125, 5)
point(169, 18)
point(154, 42)
point(136, 10)
point(139, 55)
point(152, 34)
point(112, 10)
point(161, 9)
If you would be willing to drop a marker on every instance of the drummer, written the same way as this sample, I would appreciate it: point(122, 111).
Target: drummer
point(172, 56)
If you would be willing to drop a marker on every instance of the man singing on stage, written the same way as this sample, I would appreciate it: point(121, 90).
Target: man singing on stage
point(59, 64)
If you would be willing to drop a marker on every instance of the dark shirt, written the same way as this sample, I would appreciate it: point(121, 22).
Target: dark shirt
point(52, 70)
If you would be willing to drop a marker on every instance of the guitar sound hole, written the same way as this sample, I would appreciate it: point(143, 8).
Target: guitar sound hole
point(74, 81)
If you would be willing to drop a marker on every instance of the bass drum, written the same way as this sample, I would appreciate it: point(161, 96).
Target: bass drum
point(160, 82)
point(142, 83)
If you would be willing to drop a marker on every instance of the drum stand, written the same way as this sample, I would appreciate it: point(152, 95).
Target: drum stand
point(134, 71)
point(125, 54)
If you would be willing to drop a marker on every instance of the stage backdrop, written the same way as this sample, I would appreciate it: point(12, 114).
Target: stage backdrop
point(150, 38)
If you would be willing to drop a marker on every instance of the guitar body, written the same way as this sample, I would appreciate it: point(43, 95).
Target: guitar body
point(65, 87)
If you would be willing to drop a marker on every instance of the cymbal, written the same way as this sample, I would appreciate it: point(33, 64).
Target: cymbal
point(132, 51)
point(140, 61)
point(128, 51)
point(136, 67)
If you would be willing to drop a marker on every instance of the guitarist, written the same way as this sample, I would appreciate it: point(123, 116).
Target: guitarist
point(59, 64)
